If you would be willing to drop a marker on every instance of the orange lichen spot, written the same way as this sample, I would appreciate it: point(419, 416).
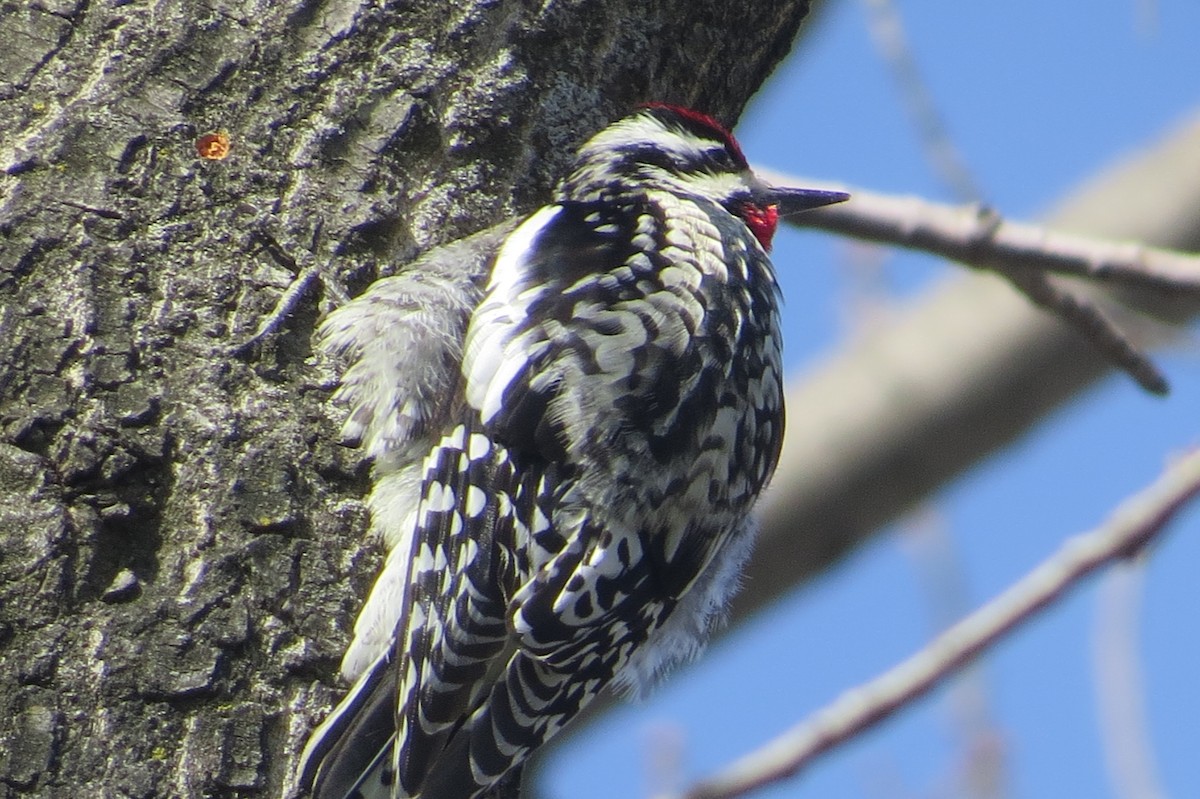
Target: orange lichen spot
point(213, 146)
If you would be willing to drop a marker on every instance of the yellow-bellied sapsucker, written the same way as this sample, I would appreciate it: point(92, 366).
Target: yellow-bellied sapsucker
point(570, 422)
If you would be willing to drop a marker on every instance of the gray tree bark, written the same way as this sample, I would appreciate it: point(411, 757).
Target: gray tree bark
point(181, 540)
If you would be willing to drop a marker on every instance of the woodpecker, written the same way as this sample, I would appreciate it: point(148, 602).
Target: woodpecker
point(570, 422)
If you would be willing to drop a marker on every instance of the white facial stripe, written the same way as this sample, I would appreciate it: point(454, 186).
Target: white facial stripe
point(489, 362)
point(717, 186)
point(647, 131)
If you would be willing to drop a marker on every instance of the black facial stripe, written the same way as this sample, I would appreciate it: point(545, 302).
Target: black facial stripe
point(712, 160)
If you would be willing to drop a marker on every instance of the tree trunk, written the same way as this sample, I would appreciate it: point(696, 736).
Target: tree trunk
point(181, 539)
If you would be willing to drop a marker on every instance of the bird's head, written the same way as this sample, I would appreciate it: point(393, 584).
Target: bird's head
point(689, 153)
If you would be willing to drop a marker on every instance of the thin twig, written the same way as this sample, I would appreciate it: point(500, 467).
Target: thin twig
point(1095, 326)
point(979, 237)
point(283, 308)
point(887, 30)
point(1120, 689)
point(1131, 527)
point(981, 772)
point(307, 271)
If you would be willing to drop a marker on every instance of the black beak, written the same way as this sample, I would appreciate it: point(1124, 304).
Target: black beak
point(793, 201)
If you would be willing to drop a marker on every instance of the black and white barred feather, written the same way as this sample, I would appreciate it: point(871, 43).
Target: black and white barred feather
point(570, 422)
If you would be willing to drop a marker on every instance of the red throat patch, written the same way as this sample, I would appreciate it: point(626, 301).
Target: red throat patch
point(762, 221)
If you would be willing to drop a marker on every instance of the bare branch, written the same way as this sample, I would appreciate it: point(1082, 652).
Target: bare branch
point(948, 377)
point(979, 237)
point(1094, 325)
point(1129, 529)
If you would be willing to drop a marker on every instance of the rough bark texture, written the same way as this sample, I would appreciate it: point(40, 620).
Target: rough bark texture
point(181, 540)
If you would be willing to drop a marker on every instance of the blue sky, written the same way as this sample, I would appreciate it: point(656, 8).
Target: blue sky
point(1037, 96)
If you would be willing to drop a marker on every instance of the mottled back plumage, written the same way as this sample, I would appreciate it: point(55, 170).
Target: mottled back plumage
point(568, 439)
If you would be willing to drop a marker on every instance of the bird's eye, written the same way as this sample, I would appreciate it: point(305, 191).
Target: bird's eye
point(723, 160)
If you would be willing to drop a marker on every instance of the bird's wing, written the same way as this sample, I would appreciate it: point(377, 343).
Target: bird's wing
point(402, 341)
point(450, 627)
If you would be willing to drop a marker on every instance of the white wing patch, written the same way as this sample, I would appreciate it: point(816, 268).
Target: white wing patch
point(490, 362)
